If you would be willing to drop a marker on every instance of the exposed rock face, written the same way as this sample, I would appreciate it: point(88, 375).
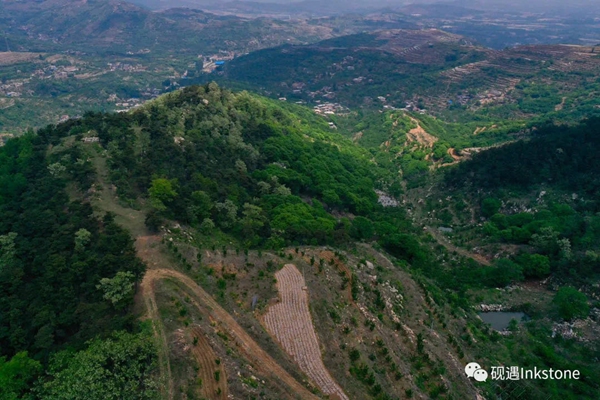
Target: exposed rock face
point(491, 307)
point(386, 200)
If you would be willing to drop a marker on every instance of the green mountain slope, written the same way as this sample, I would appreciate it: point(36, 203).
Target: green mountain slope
point(231, 187)
point(541, 197)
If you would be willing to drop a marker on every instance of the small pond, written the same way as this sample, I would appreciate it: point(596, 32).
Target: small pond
point(499, 320)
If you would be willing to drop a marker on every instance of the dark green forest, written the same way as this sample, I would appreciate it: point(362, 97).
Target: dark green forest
point(213, 159)
point(59, 268)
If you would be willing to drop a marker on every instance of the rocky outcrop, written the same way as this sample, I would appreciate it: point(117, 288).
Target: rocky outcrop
point(491, 307)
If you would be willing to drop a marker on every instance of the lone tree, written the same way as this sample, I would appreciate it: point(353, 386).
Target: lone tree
point(161, 193)
point(118, 290)
point(571, 303)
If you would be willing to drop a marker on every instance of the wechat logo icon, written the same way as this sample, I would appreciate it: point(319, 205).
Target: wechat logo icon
point(474, 370)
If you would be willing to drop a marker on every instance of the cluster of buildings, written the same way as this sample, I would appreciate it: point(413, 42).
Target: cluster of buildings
point(491, 96)
point(119, 66)
point(210, 63)
point(330, 109)
point(412, 106)
point(13, 88)
point(56, 72)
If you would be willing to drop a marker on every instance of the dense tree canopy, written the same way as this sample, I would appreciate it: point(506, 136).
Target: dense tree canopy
point(54, 254)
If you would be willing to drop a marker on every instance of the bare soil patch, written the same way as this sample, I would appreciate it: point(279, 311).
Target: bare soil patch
point(420, 136)
point(290, 322)
point(209, 369)
point(261, 361)
point(560, 106)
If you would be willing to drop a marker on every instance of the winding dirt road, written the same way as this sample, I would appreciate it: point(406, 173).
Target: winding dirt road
point(254, 354)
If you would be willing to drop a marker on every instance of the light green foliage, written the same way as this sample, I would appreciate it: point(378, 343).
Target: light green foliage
point(118, 368)
point(119, 289)
point(546, 241)
point(82, 238)
point(253, 220)
point(240, 166)
point(264, 188)
point(571, 303)
point(440, 151)
point(298, 221)
point(17, 375)
point(207, 226)
point(227, 212)
point(564, 246)
point(56, 169)
point(331, 198)
point(281, 190)
point(161, 193)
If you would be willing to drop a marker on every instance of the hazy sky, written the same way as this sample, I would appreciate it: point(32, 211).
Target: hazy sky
point(467, 3)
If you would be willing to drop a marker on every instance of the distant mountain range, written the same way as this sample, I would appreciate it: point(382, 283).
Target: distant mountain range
point(110, 25)
point(571, 8)
point(312, 6)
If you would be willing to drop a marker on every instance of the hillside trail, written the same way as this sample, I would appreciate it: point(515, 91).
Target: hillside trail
point(149, 251)
point(439, 237)
point(133, 221)
point(107, 201)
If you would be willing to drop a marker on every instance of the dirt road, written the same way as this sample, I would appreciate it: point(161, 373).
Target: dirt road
point(261, 361)
point(420, 136)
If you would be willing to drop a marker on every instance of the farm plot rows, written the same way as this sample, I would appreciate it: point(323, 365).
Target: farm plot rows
point(262, 362)
point(7, 58)
point(211, 373)
point(289, 321)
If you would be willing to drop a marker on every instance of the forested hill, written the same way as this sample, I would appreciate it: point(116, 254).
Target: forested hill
point(230, 165)
point(66, 277)
point(561, 157)
point(540, 196)
point(208, 173)
point(116, 27)
point(204, 155)
point(446, 74)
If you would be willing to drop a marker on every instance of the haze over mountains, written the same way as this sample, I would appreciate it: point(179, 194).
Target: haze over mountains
point(497, 24)
point(579, 7)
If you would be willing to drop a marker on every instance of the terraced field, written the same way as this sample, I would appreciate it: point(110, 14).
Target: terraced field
point(290, 322)
point(250, 350)
point(7, 58)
